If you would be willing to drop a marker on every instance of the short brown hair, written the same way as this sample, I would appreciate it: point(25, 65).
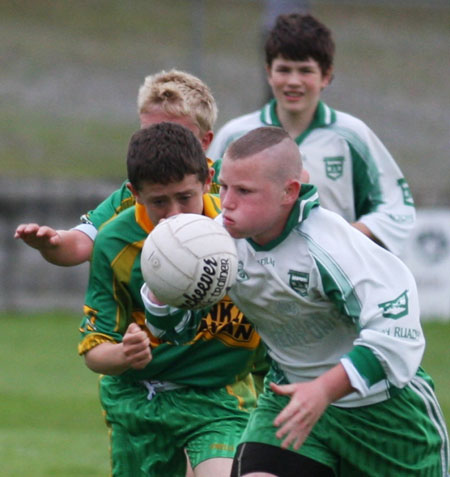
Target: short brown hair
point(164, 153)
point(256, 141)
point(299, 37)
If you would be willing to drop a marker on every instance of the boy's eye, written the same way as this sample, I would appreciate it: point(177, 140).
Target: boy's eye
point(158, 202)
point(184, 198)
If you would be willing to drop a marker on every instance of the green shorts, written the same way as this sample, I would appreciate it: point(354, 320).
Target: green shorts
point(150, 436)
point(404, 436)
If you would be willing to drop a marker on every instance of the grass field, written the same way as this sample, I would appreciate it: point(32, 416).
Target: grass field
point(50, 418)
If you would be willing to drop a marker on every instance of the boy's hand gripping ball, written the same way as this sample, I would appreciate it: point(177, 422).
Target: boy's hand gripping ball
point(189, 261)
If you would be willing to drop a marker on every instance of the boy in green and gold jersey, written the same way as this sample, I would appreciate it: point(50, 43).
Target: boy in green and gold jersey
point(159, 398)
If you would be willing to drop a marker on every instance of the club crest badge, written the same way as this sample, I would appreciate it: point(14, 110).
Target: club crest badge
point(334, 167)
point(242, 275)
point(406, 191)
point(90, 316)
point(396, 308)
point(299, 282)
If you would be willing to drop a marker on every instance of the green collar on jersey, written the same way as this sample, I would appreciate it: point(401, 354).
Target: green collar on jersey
point(308, 199)
point(324, 116)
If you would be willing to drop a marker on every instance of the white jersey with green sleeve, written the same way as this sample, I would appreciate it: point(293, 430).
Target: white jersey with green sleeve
point(323, 293)
point(354, 172)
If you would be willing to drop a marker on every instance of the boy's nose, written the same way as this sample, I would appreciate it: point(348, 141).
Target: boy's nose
point(225, 200)
point(294, 78)
point(174, 209)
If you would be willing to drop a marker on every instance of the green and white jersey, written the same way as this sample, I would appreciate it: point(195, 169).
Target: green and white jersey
point(320, 294)
point(355, 174)
point(323, 293)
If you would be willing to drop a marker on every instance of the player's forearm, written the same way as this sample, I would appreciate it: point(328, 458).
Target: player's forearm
point(74, 248)
point(107, 358)
point(335, 383)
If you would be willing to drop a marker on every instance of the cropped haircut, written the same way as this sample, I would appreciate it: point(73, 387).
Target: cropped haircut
point(298, 37)
point(164, 153)
point(179, 94)
point(256, 141)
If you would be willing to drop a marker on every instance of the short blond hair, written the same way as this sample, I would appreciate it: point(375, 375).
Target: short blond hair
point(180, 94)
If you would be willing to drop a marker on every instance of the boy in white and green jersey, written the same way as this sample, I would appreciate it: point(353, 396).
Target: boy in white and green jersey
point(339, 315)
point(161, 399)
point(354, 172)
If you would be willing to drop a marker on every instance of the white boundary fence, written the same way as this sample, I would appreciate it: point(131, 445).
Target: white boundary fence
point(428, 256)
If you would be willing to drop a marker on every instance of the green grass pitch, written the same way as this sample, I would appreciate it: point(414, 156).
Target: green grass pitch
point(50, 418)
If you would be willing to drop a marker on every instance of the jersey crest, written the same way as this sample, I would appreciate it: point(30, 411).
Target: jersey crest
point(396, 308)
point(242, 275)
point(299, 282)
point(334, 167)
point(406, 191)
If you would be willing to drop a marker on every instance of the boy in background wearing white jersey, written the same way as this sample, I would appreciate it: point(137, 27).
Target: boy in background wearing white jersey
point(339, 315)
point(353, 171)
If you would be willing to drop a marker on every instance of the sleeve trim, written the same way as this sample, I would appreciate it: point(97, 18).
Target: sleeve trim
point(92, 340)
point(367, 365)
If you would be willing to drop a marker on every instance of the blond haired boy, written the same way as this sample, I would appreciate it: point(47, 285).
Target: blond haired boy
point(173, 96)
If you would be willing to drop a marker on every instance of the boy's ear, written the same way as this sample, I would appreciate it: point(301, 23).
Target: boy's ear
point(209, 179)
point(207, 140)
point(327, 78)
point(291, 191)
point(304, 176)
point(134, 191)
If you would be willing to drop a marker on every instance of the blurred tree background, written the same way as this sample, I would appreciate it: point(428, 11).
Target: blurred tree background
point(70, 72)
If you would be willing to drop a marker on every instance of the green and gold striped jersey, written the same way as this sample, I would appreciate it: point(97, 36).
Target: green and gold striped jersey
point(224, 345)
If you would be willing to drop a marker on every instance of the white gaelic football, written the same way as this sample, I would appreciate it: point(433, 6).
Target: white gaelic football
point(189, 261)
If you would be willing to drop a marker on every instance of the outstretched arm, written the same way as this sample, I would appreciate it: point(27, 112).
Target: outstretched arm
point(116, 358)
point(60, 247)
point(308, 402)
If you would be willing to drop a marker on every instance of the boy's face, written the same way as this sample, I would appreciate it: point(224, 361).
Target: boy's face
point(253, 202)
point(296, 85)
point(164, 200)
point(157, 115)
